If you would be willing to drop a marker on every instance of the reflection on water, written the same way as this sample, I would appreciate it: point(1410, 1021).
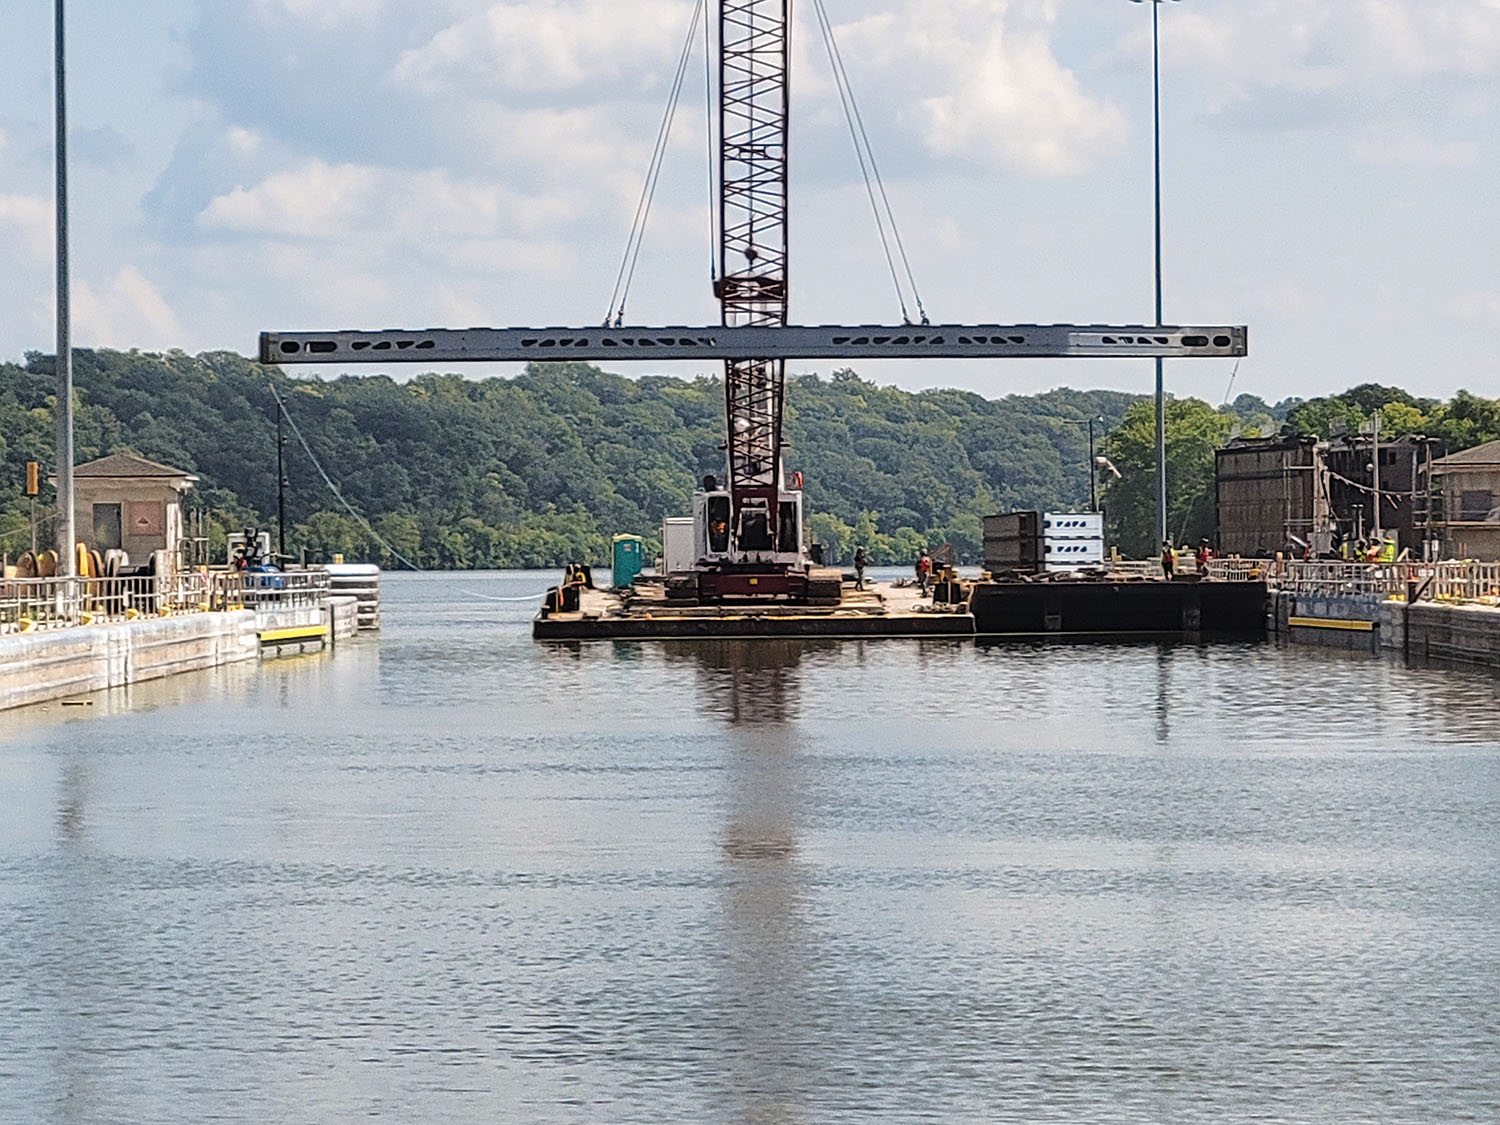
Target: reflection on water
point(453, 875)
point(746, 682)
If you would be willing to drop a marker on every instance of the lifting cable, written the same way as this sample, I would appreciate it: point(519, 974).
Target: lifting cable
point(339, 496)
point(616, 312)
point(869, 169)
point(333, 488)
point(711, 131)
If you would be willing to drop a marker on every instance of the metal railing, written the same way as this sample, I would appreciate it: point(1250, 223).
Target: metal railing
point(1240, 570)
point(282, 589)
point(1457, 581)
point(1219, 570)
point(27, 604)
point(1463, 581)
point(1343, 578)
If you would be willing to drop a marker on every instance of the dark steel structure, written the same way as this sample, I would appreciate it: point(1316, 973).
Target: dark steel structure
point(678, 342)
point(754, 111)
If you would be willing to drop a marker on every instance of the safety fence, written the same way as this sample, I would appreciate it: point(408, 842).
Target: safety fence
point(1219, 570)
point(28, 604)
point(1464, 582)
point(1458, 581)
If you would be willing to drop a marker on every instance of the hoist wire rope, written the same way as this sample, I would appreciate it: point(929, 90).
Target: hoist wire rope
point(710, 128)
point(859, 152)
point(333, 488)
point(339, 496)
point(866, 151)
point(43, 518)
point(621, 292)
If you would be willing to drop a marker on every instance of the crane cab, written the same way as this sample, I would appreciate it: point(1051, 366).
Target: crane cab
point(753, 535)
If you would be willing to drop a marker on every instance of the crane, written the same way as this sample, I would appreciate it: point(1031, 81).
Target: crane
point(750, 539)
point(748, 529)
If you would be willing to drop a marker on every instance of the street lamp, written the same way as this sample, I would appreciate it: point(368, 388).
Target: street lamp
point(1161, 411)
point(1093, 467)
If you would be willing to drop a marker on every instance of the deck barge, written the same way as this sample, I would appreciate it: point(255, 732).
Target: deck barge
point(644, 613)
point(1089, 607)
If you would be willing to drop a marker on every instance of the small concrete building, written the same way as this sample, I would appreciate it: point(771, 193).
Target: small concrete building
point(1469, 484)
point(125, 502)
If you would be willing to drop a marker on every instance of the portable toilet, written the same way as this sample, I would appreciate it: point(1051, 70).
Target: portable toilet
point(629, 557)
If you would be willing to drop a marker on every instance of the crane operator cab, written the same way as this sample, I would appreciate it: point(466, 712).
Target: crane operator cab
point(758, 535)
point(755, 551)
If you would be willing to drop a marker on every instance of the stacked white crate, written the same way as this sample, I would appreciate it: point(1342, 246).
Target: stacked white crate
point(1072, 540)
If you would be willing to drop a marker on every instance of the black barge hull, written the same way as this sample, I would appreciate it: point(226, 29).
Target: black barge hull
point(1102, 608)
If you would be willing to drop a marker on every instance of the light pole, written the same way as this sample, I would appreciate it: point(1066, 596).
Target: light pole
point(65, 532)
point(1093, 467)
point(1161, 407)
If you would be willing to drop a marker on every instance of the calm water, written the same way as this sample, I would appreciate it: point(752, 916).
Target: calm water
point(455, 876)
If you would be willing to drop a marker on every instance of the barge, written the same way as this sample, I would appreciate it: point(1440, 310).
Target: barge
point(1100, 606)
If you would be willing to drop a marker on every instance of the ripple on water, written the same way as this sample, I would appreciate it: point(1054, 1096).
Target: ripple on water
point(456, 876)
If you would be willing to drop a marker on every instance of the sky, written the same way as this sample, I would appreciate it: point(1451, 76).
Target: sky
point(1330, 176)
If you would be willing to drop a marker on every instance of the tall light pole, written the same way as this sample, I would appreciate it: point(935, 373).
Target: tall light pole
point(66, 533)
point(1093, 467)
point(1161, 404)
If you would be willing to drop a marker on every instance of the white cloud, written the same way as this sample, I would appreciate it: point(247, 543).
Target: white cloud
point(332, 201)
point(1005, 94)
point(242, 142)
point(29, 221)
point(126, 311)
point(546, 45)
point(1353, 47)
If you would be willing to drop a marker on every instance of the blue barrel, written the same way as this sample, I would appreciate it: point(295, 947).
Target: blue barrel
point(629, 557)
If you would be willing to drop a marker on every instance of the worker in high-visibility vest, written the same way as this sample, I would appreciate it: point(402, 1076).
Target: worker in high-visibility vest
point(1387, 551)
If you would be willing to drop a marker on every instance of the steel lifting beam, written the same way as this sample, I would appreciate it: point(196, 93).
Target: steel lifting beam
point(792, 342)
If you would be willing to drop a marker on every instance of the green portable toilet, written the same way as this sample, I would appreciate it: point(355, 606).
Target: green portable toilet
point(629, 558)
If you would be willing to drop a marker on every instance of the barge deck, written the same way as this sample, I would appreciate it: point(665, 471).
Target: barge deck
point(644, 613)
point(1084, 607)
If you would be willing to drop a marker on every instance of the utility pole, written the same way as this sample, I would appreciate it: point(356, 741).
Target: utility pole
point(1161, 405)
point(66, 536)
point(1093, 468)
point(280, 483)
point(1161, 401)
point(1375, 469)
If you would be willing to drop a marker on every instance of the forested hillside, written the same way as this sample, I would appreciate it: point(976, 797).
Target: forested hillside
point(541, 469)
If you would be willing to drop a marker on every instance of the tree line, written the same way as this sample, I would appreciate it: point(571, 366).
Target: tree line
point(542, 468)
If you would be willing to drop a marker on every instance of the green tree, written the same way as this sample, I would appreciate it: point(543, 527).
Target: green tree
point(1194, 430)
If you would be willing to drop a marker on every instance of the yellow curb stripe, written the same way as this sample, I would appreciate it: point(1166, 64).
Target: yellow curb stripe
point(299, 633)
point(1331, 623)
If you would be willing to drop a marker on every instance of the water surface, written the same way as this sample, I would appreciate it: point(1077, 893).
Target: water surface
point(451, 875)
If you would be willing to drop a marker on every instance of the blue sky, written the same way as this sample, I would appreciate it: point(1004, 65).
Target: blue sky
point(1331, 175)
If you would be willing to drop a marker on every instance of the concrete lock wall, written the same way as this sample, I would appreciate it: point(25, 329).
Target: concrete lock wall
point(1470, 633)
point(1338, 619)
point(50, 665)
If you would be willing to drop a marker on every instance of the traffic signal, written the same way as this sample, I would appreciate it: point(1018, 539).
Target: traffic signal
point(31, 478)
